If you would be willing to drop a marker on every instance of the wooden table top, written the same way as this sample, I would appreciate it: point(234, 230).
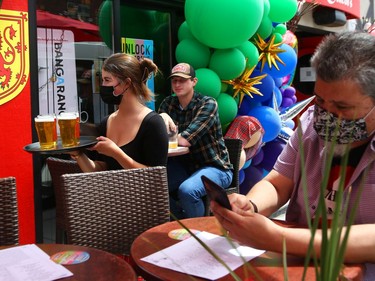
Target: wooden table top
point(268, 266)
point(101, 266)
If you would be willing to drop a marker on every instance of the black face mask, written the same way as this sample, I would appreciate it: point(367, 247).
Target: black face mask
point(106, 94)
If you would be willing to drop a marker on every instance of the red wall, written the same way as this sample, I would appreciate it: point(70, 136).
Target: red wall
point(15, 132)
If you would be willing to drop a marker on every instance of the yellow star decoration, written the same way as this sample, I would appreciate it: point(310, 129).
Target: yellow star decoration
point(243, 84)
point(269, 51)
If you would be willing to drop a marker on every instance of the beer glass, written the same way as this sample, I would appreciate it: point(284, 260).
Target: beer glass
point(77, 134)
point(173, 142)
point(46, 129)
point(68, 128)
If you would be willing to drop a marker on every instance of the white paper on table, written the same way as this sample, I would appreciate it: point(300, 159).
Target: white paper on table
point(29, 262)
point(189, 257)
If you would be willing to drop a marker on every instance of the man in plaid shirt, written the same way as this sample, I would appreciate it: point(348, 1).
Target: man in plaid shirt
point(197, 119)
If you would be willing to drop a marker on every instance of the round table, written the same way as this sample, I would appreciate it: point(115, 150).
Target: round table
point(269, 266)
point(181, 150)
point(101, 266)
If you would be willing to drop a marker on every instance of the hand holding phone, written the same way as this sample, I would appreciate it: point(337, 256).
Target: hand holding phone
point(216, 193)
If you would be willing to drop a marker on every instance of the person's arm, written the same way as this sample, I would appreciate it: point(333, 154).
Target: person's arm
point(260, 232)
point(271, 193)
point(360, 247)
point(86, 164)
point(165, 108)
point(267, 196)
point(169, 124)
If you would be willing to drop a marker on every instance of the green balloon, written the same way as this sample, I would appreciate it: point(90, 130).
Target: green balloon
point(282, 11)
point(193, 52)
point(137, 23)
point(223, 24)
point(227, 108)
point(105, 22)
point(265, 28)
point(224, 128)
point(227, 63)
point(280, 28)
point(278, 38)
point(184, 32)
point(209, 83)
point(250, 52)
point(266, 7)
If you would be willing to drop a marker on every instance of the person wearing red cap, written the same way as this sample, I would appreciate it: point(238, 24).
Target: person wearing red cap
point(199, 127)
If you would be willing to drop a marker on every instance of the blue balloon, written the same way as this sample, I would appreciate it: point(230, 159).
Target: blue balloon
point(247, 164)
point(253, 174)
point(258, 158)
point(289, 58)
point(265, 87)
point(265, 172)
point(278, 82)
point(290, 123)
point(269, 119)
point(246, 105)
point(241, 176)
point(276, 100)
point(271, 151)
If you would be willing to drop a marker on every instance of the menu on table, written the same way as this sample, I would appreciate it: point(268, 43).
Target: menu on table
point(29, 262)
point(189, 256)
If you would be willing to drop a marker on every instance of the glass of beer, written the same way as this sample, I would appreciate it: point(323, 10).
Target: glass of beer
point(68, 128)
point(173, 139)
point(77, 134)
point(46, 129)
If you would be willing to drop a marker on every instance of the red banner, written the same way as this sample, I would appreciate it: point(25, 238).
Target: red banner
point(350, 7)
point(15, 110)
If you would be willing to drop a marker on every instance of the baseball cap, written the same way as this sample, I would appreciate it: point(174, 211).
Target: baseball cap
point(183, 70)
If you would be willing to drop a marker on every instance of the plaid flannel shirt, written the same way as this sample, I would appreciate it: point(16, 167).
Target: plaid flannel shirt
point(200, 125)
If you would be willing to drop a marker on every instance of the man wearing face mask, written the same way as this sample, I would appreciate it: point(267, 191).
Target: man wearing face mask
point(341, 121)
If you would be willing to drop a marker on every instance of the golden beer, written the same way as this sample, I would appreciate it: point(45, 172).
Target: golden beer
point(67, 126)
point(46, 130)
point(173, 144)
point(77, 133)
point(173, 139)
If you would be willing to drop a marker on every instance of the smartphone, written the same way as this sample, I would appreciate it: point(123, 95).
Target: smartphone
point(216, 192)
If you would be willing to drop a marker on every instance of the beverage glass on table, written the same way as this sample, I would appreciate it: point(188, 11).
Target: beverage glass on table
point(68, 123)
point(46, 129)
point(173, 139)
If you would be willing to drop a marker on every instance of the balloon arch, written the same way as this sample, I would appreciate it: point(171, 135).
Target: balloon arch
point(245, 57)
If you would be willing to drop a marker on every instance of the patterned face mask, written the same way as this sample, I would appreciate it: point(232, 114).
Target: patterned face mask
point(330, 127)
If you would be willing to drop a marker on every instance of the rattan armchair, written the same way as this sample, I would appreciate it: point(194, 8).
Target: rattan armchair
point(57, 167)
point(8, 212)
point(234, 147)
point(108, 210)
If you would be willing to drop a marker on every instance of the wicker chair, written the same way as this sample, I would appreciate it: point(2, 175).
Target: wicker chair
point(108, 210)
point(8, 212)
point(234, 147)
point(57, 167)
